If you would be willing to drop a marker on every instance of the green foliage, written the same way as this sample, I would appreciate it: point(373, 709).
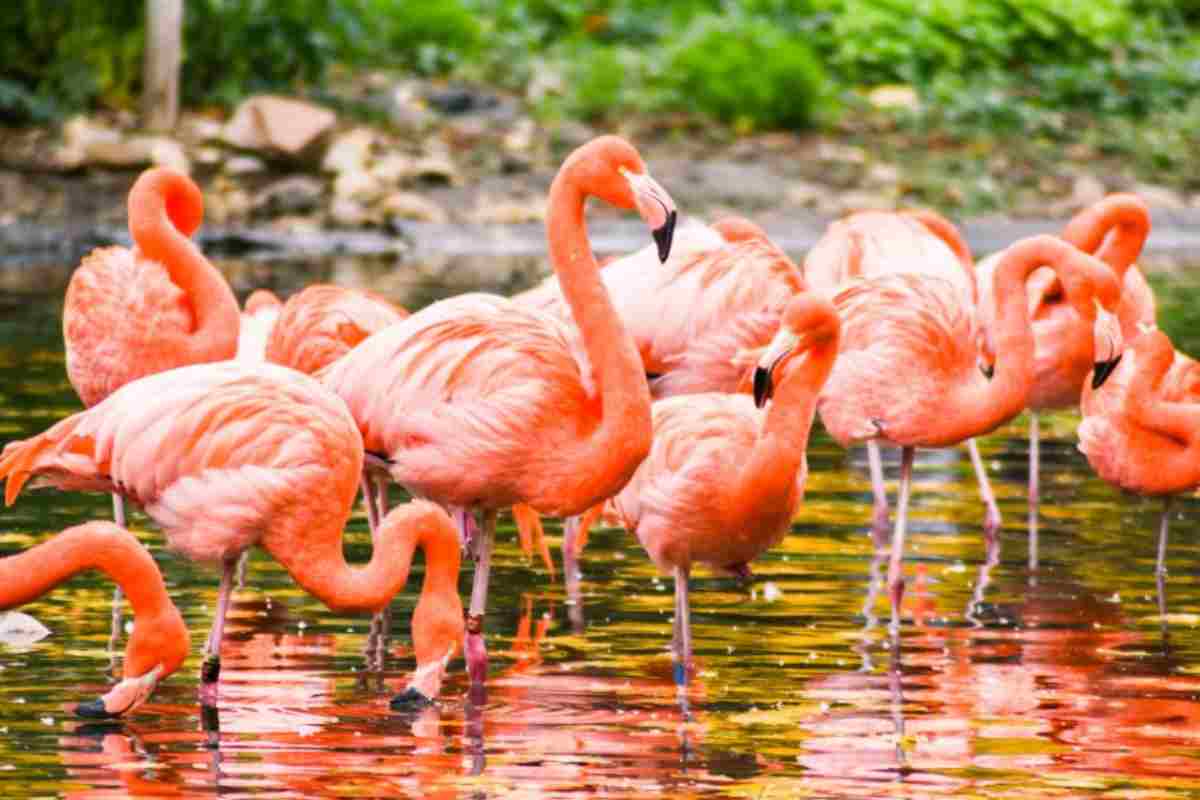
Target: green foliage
point(746, 71)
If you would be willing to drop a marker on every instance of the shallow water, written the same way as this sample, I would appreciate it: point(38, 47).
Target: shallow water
point(1064, 682)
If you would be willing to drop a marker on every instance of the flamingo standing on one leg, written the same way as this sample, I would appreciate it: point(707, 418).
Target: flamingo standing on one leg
point(723, 480)
point(229, 455)
point(1141, 430)
point(1114, 229)
point(159, 642)
point(478, 402)
point(131, 313)
point(920, 242)
point(908, 371)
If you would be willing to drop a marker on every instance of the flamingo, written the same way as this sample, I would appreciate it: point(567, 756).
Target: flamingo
point(229, 455)
point(161, 305)
point(723, 480)
point(258, 316)
point(915, 241)
point(159, 642)
point(908, 373)
point(478, 402)
point(1114, 229)
point(1141, 431)
point(717, 298)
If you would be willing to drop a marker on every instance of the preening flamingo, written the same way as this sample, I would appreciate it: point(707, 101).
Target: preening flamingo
point(917, 242)
point(159, 642)
point(258, 316)
point(908, 372)
point(1141, 429)
point(1114, 229)
point(478, 402)
point(723, 480)
point(161, 305)
point(229, 455)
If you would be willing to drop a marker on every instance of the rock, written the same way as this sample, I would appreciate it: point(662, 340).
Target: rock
point(461, 99)
point(1087, 190)
point(1160, 196)
point(244, 165)
point(349, 213)
point(883, 174)
point(545, 81)
point(198, 128)
point(802, 193)
point(406, 108)
point(865, 201)
point(894, 97)
point(350, 151)
point(296, 194)
point(225, 206)
point(278, 125)
point(521, 138)
point(393, 169)
point(436, 167)
point(18, 629)
point(79, 133)
point(358, 185)
point(509, 211)
point(409, 205)
point(208, 156)
point(835, 151)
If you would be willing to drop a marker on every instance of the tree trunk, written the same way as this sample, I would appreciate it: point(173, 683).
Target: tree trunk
point(160, 78)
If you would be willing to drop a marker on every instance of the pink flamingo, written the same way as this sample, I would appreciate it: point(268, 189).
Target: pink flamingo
point(919, 242)
point(478, 402)
point(1141, 430)
point(908, 371)
point(1114, 229)
point(159, 642)
point(696, 321)
point(161, 305)
point(258, 316)
point(723, 480)
point(229, 455)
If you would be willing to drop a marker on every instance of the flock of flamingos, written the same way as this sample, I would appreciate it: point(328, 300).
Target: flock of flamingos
point(675, 397)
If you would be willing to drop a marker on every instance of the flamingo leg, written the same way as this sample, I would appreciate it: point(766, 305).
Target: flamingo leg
point(1034, 476)
point(681, 644)
point(210, 669)
point(571, 573)
point(991, 518)
point(381, 498)
point(875, 462)
point(896, 563)
point(368, 494)
point(240, 573)
point(468, 531)
point(119, 518)
point(1160, 567)
point(475, 649)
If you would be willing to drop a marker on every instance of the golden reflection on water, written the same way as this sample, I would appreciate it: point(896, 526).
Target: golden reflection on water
point(1066, 682)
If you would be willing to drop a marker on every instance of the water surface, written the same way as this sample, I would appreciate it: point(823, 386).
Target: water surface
point(1061, 682)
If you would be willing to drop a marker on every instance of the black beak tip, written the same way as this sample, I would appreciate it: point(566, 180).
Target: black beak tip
point(410, 700)
point(1102, 370)
point(663, 236)
point(763, 387)
point(94, 709)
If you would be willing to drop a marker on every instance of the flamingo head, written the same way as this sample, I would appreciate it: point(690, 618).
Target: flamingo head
point(808, 320)
point(1108, 344)
point(157, 647)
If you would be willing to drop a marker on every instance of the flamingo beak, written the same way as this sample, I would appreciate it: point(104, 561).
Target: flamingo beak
point(122, 698)
point(657, 209)
point(1108, 345)
point(764, 374)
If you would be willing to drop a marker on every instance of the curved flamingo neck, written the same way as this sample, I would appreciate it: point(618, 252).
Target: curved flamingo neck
point(311, 551)
point(114, 551)
point(769, 477)
point(1125, 216)
point(165, 209)
point(622, 437)
point(988, 404)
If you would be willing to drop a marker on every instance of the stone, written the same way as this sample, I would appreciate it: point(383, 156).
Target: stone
point(436, 167)
point(349, 213)
point(409, 205)
point(1160, 196)
point(358, 185)
point(881, 174)
point(296, 194)
point(278, 125)
point(394, 169)
point(244, 165)
point(895, 96)
point(803, 193)
point(509, 211)
point(349, 151)
point(1087, 190)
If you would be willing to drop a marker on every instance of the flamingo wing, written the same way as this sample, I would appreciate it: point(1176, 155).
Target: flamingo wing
point(323, 322)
